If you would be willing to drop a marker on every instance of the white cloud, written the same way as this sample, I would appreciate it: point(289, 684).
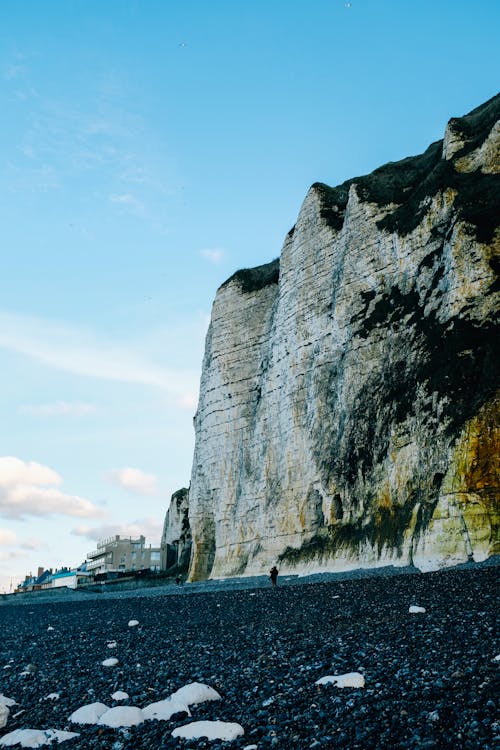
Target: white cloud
point(28, 488)
point(133, 480)
point(7, 538)
point(58, 409)
point(213, 255)
point(149, 527)
point(81, 352)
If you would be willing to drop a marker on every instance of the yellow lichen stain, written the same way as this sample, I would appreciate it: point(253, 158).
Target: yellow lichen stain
point(449, 196)
point(384, 499)
point(302, 518)
point(472, 482)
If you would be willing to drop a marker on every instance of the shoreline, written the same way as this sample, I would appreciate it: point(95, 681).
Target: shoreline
point(242, 583)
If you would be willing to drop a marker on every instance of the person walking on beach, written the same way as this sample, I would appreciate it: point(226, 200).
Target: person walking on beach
point(273, 575)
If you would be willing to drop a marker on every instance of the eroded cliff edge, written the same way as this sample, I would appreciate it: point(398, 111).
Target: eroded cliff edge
point(348, 411)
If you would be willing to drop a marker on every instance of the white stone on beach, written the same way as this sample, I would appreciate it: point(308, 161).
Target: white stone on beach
point(163, 710)
point(195, 692)
point(213, 730)
point(89, 714)
point(121, 716)
point(119, 696)
point(112, 662)
point(4, 701)
point(35, 737)
point(350, 679)
point(4, 716)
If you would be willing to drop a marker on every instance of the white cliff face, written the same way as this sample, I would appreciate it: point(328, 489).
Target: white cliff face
point(347, 412)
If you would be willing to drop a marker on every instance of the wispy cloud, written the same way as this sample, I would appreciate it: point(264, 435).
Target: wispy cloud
point(58, 409)
point(149, 527)
point(81, 352)
point(13, 70)
point(129, 203)
point(28, 488)
point(9, 538)
point(133, 480)
point(213, 255)
point(126, 199)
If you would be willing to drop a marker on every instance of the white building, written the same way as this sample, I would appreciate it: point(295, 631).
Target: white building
point(69, 578)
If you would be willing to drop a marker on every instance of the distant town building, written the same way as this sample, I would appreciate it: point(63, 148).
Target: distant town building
point(69, 578)
point(35, 583)
point(115, 555)
point(49, 579)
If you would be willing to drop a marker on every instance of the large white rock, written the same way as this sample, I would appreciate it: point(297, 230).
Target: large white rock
point(350, 679)
point(5, 701)
point(4, 715)
point(35, 737)
point(195, 692)
point(164, 710)
point(89, 714)
point(121, 716)
point(213, 730)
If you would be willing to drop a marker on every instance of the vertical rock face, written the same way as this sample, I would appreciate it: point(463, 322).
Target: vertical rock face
point(176, 537)
point(348, 412)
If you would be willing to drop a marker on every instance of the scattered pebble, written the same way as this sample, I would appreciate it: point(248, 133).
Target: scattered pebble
point(414, 610)
point(120, 695)
point(111, 662)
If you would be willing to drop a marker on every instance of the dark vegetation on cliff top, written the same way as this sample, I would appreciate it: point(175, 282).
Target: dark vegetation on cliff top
point(410, 182)
point(254, 279)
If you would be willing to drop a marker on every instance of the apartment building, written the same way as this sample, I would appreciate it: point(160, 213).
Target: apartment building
point(118, 554)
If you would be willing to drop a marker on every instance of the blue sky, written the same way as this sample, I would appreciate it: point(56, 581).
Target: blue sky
point(149, 149)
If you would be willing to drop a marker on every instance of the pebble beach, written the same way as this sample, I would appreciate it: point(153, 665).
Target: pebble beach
point(424, 650)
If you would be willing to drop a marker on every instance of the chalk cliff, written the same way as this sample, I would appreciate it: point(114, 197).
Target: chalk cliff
point(176, 536)
point(348, 412)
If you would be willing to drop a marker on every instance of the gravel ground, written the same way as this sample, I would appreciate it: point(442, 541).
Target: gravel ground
point(431, 679)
